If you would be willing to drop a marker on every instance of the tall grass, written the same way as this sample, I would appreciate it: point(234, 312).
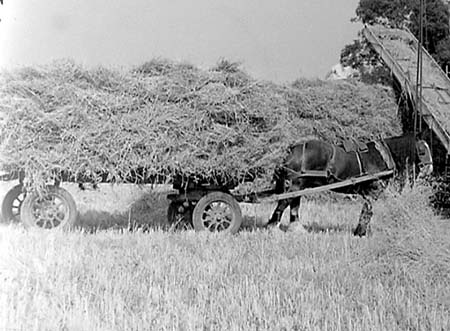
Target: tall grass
point(255, 280)
point(409, 237)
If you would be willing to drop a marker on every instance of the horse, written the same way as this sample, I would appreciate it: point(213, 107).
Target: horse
point(315, 162)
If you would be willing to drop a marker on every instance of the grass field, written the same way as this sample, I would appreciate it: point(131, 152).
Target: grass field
point(320, 279)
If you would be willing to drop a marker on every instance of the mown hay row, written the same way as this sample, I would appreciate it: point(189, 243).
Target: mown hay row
point(172, 118)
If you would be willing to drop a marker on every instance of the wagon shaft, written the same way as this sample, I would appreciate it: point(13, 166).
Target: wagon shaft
point(345, 183)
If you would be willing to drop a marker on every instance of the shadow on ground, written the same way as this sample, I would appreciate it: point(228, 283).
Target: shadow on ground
point(148, 211)
point(133, 209)
point(320, 228)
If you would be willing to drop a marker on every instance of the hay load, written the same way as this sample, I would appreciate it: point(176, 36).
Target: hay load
point(167, 118)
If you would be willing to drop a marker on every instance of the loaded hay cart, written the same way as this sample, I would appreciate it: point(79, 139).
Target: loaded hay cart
point(172, 118)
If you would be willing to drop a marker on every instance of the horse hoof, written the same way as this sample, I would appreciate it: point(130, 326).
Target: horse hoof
point(297, 227)
point(359, 231)
point(284, 227)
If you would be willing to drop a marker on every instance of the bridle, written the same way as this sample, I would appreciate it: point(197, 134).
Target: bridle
point(425, 158)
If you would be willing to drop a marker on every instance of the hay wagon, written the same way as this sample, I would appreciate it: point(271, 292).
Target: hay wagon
point(198, 204)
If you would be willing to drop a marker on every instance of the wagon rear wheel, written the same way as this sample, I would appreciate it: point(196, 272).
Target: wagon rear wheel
point(55, 208)
point(179, 216)
point(217, 212)
point(12, 203)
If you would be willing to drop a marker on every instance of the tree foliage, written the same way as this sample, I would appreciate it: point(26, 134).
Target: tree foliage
point(372, 11)
point(436, 23)
point(399, 14)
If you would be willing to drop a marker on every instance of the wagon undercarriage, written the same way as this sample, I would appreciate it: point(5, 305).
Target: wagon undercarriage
point(201, 206)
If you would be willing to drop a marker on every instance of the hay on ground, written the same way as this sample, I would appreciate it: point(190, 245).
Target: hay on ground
point(410, 237)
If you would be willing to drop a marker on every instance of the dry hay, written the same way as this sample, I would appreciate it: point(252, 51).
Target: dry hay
point(409, 236)
point(172, 118)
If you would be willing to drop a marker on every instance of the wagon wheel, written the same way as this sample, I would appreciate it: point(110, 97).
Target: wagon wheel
point(179, 216)
point(55, 208)
point(12, 203)
point(217, 211)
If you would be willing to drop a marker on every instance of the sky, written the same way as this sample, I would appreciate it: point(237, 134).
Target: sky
point(277, 40)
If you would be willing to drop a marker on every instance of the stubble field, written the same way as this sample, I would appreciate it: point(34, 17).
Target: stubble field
point(319, 279)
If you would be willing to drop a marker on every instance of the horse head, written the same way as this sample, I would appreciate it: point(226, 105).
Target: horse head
point(410, 151)
point(424, 158)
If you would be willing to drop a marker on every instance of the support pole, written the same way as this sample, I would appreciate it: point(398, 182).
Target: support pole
point(419, 69)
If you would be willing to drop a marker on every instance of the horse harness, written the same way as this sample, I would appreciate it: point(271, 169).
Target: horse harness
point(349, 146)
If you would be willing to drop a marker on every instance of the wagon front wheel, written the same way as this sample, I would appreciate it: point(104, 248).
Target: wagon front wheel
point(217, 211)
point(54, 208)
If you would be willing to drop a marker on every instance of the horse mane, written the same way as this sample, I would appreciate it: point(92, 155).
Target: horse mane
point(403, 150)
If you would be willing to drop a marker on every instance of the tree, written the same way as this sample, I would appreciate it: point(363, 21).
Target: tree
point(399, 14)
point(375, 11)
point(436, 23)
point(363, 58)
point(443, 52)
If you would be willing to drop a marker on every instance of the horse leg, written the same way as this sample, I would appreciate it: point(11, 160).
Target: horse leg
point(364, 218)
point(294, 221)
point(369, 195)
point(278, 212)
point(295, 206)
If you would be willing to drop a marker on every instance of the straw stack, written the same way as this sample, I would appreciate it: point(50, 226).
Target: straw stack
point(163, 119)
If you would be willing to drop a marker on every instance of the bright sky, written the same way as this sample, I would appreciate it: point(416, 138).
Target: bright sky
point(278, 40)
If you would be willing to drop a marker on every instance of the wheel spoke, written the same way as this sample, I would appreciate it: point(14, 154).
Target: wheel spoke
point(217, 216)
point(226, 219)
point(225, 225)
point(210, 218)
point(40, 221)
point(49, 211)
point(209, 224)
point(60, 217)
point(20, 198)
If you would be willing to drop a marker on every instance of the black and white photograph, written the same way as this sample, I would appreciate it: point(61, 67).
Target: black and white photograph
point(251, 165)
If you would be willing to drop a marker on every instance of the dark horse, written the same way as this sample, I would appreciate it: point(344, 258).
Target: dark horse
point(314, 163)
